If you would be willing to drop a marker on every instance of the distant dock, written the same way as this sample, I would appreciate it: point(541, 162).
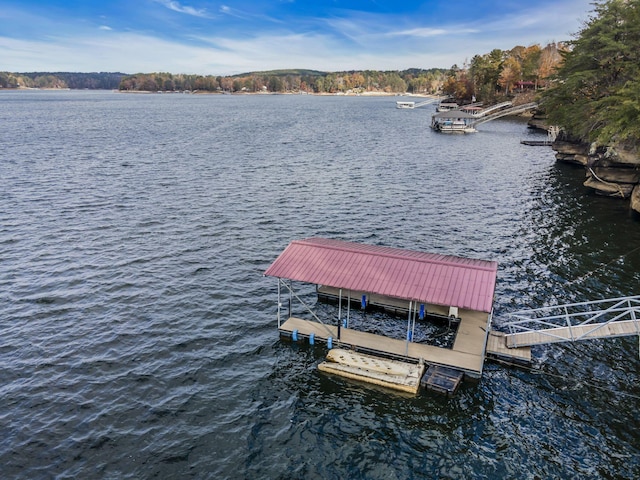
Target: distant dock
point(537, 143)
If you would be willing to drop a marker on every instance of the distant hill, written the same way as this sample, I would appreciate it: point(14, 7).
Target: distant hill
point(286, 72)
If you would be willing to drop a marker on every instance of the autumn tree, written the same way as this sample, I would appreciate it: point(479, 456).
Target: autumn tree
point(510, 74)
point(550, 59)
point(530, 63)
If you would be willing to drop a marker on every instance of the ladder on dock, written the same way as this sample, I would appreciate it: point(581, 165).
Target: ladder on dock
point(573, 322)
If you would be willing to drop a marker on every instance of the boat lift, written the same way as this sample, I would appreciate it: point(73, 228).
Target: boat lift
point(615, 317)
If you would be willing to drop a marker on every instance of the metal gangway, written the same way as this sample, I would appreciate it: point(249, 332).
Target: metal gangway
point(504, 112)
point(412, 104)
point(572, 322)
point(493, 108)
point(428, 102)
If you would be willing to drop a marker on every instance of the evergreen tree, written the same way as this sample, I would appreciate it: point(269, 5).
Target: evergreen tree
point(596, 93)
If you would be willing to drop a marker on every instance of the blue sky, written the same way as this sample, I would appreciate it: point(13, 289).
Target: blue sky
point(230, 37)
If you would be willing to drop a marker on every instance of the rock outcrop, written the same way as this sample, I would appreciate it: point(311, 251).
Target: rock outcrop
point(612, 171)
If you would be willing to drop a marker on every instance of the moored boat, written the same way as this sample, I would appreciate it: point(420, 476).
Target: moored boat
point(455, 121)
point(405, 104)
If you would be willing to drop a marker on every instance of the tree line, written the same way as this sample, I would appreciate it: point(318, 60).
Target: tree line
point(287, 81)
point(74, 80)
point(496, 75)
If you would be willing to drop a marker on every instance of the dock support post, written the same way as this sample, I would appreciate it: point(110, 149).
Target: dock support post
point(413, 324)
point(279, 303)
point(312, 338)
point(348, 308)
point(408, 329)
point(339, 311)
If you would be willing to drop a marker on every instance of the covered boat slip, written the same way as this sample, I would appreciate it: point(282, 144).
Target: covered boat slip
point(400, 280)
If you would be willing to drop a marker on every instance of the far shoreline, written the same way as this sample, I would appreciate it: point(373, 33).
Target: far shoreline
point(204, 92)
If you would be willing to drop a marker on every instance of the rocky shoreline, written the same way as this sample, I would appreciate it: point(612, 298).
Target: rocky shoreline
point(611, 171)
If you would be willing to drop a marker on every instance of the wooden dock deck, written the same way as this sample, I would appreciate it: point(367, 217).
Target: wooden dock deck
point(470, 363)
point(498, 349)
point(467, 354)
point(475, 322)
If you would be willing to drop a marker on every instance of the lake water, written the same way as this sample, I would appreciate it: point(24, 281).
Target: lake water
point(138, 336)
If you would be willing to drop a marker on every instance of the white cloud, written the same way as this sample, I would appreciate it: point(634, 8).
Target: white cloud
point(177, 7)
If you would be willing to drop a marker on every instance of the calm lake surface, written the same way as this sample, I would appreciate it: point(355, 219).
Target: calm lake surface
point(138, 336)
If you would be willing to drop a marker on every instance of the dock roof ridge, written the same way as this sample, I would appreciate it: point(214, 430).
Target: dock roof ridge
point(391, 252)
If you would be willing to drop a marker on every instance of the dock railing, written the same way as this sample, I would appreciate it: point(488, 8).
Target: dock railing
point(573, 322)
point(505, 112)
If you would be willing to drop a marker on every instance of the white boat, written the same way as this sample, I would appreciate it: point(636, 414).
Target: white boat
point(455, 121)
point(454, 126)
point(403, 104)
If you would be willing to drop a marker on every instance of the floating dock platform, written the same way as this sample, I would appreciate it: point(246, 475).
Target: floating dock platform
point(387, 373)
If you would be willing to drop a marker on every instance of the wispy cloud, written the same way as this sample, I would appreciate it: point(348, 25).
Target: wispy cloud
point(177, 7)
point(232, 12)
point(245, 15)
point(427, 32)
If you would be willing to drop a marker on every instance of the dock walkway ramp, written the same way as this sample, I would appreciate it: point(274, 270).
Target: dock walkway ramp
point(608, 318)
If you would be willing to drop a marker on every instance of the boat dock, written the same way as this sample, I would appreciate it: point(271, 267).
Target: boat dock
point(425, 286)
point(405, 282)
point(458, 120)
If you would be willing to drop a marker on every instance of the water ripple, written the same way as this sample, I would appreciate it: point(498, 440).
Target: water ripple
point(138, 333)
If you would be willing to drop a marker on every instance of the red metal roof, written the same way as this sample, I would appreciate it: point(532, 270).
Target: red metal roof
point(424, 277)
